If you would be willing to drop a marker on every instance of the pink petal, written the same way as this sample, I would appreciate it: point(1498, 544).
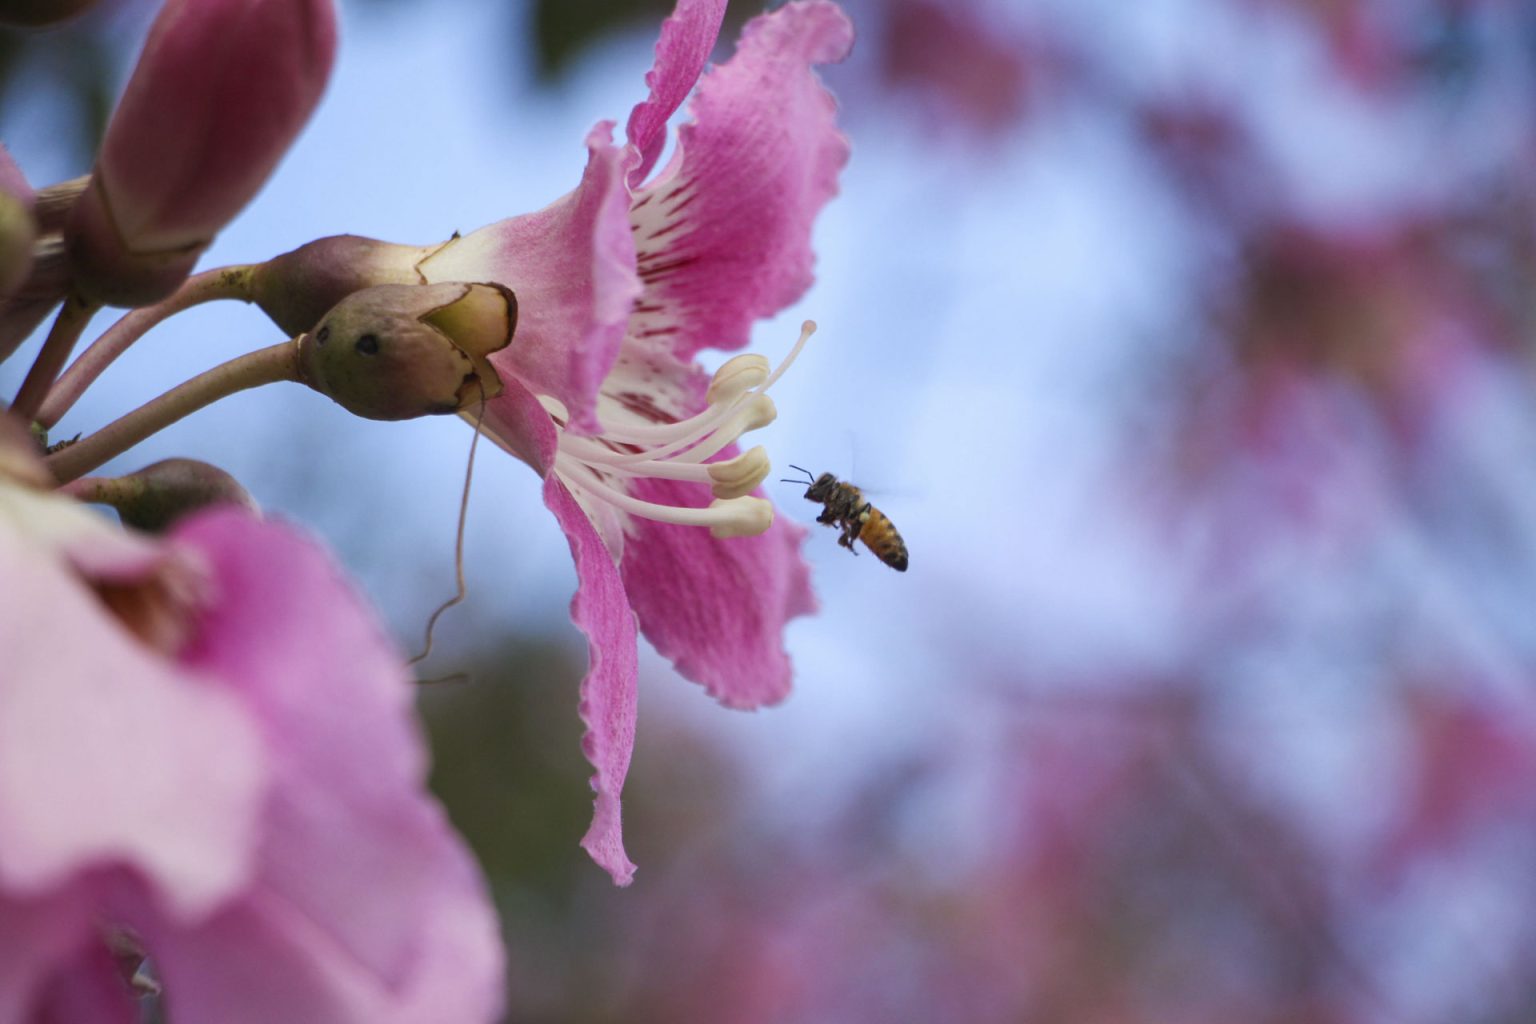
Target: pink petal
point(687, 38)
point(572, 266)
point(608, 693)
point(724, 231)
point(36, 936)
point(717, 608)
point(518, 424)
point(87, 542)
point(263, 960)
point(88, 990)
point(105, 746)
point(358, 866)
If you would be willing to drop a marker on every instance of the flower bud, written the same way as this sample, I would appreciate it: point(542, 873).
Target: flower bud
point(395, 352)
point(220, 91)
point(297, 288)
point(155, 497)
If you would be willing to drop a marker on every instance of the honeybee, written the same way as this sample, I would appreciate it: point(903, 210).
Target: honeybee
point(845, 507)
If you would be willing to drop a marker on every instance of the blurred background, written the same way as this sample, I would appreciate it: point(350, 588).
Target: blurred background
point(1189, 343)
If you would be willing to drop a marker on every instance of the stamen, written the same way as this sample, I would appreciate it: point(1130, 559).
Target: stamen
point(754, 412)
point(728, 479)
point(662, 433)
point(746, 517)
point(732, 517)
point(736, 377)
point(735, 478)
point(595, 468)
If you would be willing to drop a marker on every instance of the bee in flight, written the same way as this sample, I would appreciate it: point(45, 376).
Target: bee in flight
point(845, 507)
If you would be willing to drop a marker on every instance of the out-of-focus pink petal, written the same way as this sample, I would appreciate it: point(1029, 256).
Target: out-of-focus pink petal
point(687, 38)
point(93, 547)
point(104, 748)
point(263, 960)
point(601, 610)
point(572, 267)
point(88, 990)
point(717, 607)
point(36, 936)
point(724, 231)
point(358, 866)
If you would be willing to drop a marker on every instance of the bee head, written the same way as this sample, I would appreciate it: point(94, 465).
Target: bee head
point(822, 487)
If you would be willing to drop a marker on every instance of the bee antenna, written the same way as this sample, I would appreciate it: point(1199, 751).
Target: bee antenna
point(809, 479)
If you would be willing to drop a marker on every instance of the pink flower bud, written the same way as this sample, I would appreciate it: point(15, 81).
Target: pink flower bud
point(220, 91)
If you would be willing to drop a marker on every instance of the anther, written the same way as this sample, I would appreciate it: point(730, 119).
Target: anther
point(740, 476)
point(737, 376)
point(740, 517)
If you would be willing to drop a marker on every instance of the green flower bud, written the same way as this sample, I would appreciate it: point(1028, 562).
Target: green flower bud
point(297, 288)
point(156, 496)
point(395, 352)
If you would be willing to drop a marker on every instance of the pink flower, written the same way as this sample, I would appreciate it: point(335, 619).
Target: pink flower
point(620, 284)
point(207, 755)
point(219, 93)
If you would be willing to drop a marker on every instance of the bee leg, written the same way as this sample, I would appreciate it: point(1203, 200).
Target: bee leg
point(827, 518)
point(849, 535)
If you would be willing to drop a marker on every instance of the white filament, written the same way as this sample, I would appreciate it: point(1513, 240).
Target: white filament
point(738, 403)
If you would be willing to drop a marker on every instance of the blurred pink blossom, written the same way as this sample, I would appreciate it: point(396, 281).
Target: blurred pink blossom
point(963, 60)
point(208, 758)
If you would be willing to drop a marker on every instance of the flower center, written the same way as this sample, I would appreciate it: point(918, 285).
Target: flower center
point(596, 468)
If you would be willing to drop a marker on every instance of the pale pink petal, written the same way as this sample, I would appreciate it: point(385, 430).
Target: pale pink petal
point(518, 424)
point(717, 607)
point(358, 864)
point(724, 232)
point(572, 267)
point(687, 38)
point(93, 547)
point(105, 746)
point(601, 610)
